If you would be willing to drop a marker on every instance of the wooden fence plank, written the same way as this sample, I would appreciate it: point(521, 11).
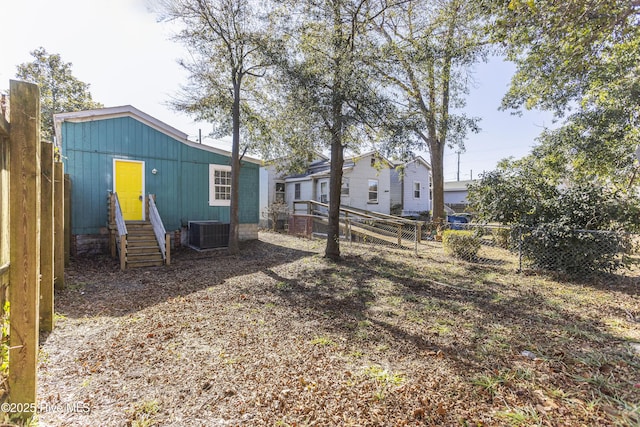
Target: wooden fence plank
point(67, 219)
point(4, 213)
point(4, 125)
point(46, 239)
point(24, 274)
point(59, 210)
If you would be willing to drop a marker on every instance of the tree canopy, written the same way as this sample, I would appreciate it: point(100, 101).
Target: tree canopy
point(328, 98)
point(60, 91)
point(227, 41)
point(579, 58)
point(422, 51)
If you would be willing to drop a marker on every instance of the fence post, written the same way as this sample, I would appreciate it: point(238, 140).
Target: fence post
point(60, 252)
point(4, 206)
point(47, 238)
point(24, 274)
point(123, 252)
point(67, 218)
point(347, 228)
point(416, 237)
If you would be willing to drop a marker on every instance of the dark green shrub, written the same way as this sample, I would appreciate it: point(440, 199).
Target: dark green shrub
point(501, 237)
point(461, 244)
point(575, 252)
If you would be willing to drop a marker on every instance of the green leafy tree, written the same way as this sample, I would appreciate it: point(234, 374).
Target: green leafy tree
point(550, 214)
point(422, 51)
point(227, 40)
point(564, 50)
point(328, 97)
point(60, 91)
point(579, 57)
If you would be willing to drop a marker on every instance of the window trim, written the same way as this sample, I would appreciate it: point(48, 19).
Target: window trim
point(297, 191)
point(213, 168)
point(344, 186)
point(369, 199)
point(324, 192)
point(417, 189)
point(282, 194)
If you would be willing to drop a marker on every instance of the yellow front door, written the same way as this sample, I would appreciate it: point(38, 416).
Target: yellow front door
point(129, 187)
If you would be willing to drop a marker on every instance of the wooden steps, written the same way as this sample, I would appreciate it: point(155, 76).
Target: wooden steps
point(142, 247)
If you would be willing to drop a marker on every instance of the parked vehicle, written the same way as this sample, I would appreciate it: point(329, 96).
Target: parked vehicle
point(456, 220)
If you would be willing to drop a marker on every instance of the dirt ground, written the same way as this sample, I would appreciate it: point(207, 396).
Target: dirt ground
point(279, 336)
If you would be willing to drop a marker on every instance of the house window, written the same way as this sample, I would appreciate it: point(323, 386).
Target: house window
point(219, 185)
point(324, 194)
point(279, 192)
point(416, 190)
point(373, 191)
point(296, 191)
point(344, 190)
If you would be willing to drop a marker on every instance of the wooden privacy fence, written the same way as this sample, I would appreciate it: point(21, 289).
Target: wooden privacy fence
point(32, 237)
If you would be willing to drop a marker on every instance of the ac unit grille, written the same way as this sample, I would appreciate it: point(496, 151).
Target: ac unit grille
point(208, 234)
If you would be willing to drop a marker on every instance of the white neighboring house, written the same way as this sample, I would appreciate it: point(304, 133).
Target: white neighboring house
point(411, 187)
point(455, 194)
point(365, 183)
point(273, 187)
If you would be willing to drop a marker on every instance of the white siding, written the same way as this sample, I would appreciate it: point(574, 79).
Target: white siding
point(395, 187)
point(306, 193)
point(416, 172)
point(455, 197)
point(359, 178)
point(265, 196)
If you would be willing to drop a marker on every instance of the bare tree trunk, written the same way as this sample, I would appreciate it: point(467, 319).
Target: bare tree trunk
point(234, 248)
point(437, 172)
point(332, 250)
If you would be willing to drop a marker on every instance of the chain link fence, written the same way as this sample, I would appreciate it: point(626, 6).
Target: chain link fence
point(546, 248)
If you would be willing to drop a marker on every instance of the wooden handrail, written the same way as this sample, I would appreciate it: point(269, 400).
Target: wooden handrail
point(351, 216)
point(120, 225)
point(158, 228)
point(357, 212)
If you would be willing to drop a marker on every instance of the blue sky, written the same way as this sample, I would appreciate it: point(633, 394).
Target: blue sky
point(126, 56)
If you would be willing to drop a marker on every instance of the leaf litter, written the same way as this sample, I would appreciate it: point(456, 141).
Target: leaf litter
point(278, 335)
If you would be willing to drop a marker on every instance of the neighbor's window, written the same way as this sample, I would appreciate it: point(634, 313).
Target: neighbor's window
point(279, 192)
point(296, 191)
point(416, 190)
point(373, 191)
point(324, 194)
point(219, 185)
point(345, 187)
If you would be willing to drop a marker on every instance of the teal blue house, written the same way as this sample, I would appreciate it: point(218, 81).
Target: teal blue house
point(125, 151)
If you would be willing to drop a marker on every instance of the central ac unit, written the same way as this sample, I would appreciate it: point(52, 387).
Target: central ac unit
point(208, 234)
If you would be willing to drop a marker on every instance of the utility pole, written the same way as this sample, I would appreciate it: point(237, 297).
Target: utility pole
point(458, 174)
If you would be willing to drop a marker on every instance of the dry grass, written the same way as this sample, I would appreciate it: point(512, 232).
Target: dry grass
point(281, 336)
